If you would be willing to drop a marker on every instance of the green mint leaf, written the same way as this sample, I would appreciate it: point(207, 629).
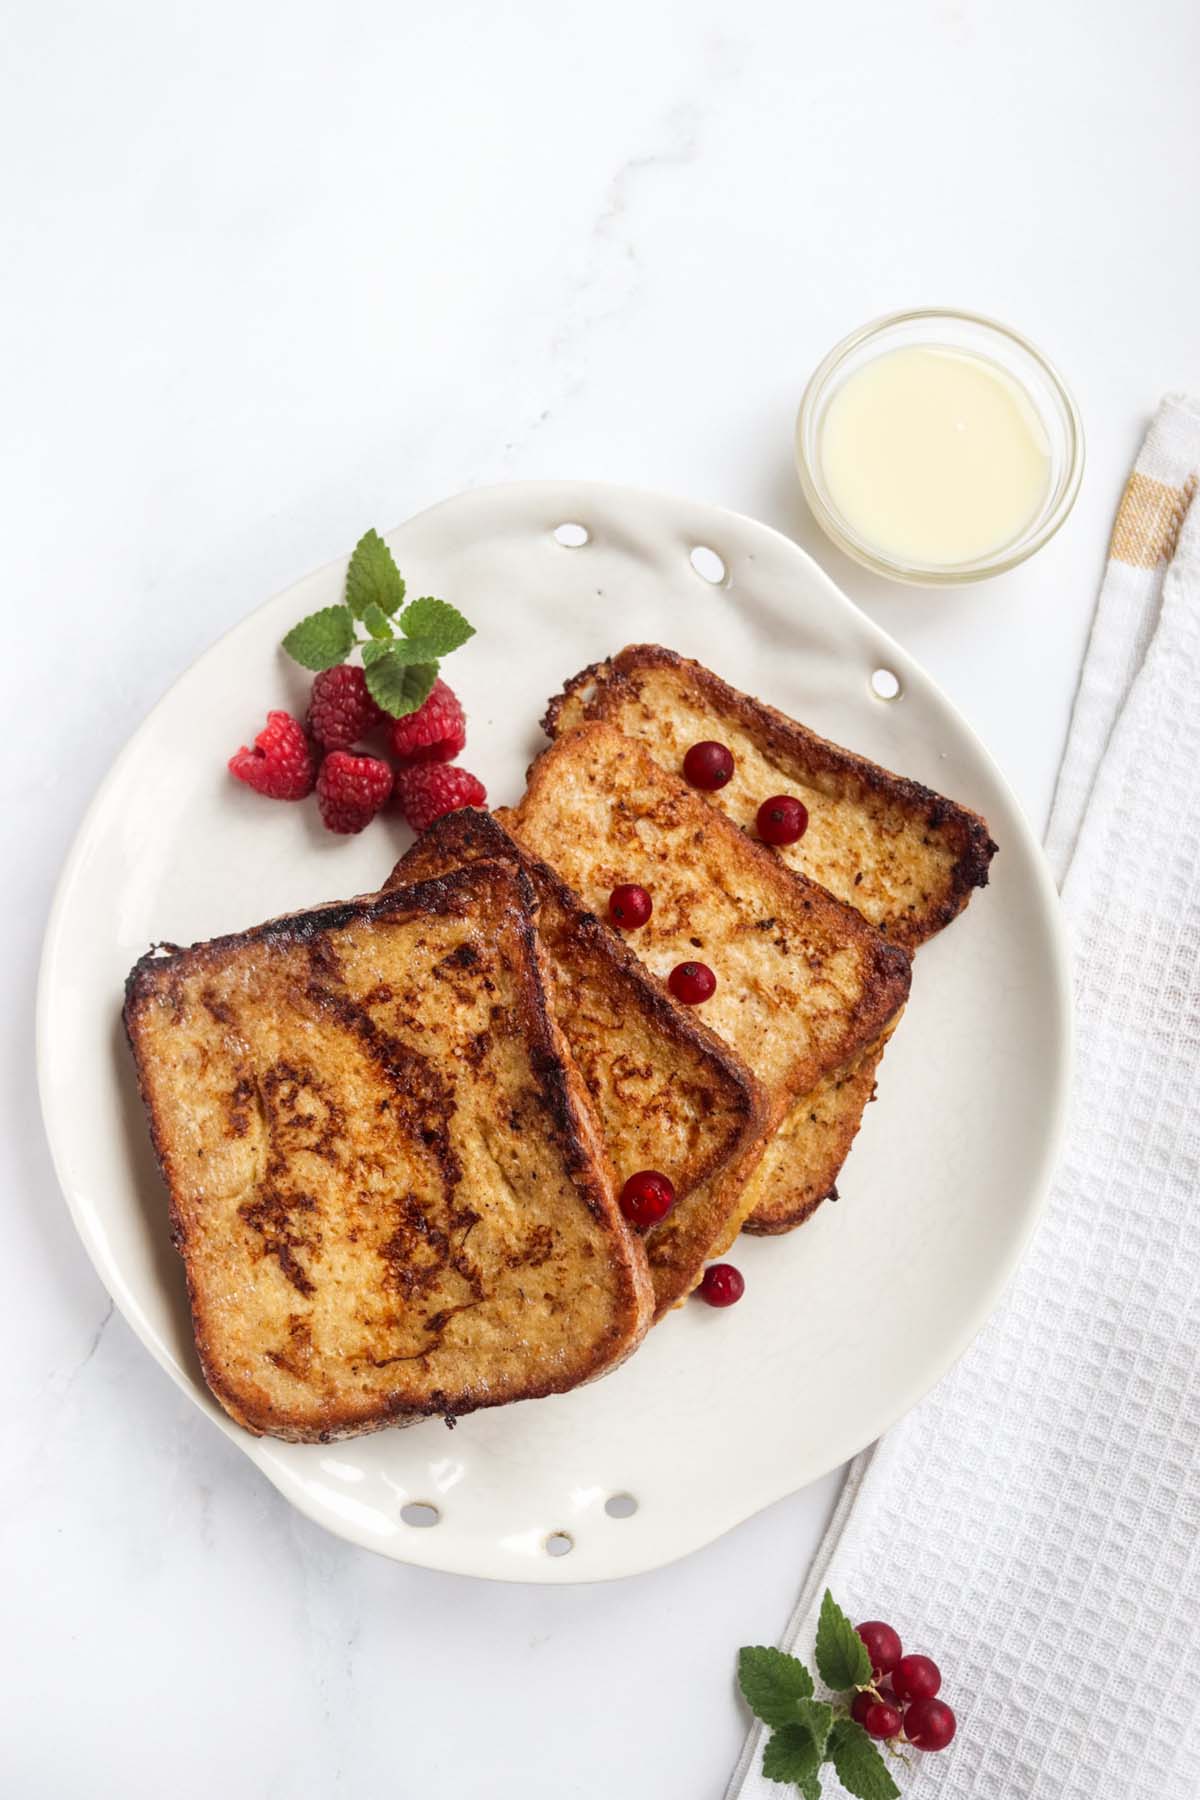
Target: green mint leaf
point(817, 1717)
point(842, 1659)
point(860, 1768)
point(323, 639)
point(772, 1682)
point(401, 650)
point(414, 650)
point(438, 622)
point(373, 578)
point(791, 1755)
point(810, 1787)
point(376, 622)
point(397, 686)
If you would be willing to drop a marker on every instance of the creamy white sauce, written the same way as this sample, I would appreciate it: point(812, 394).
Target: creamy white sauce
point(934, 456)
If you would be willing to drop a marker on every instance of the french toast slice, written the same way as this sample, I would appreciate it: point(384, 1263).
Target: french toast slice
point(804, 983)
point(906, 858)
point(385, 1176)
point(667, 1093)
point(801, 1163)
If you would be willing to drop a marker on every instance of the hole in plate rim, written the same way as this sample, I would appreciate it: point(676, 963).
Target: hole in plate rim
point(571, 535)
point(885, 684)
point(620, 1506)
point(709, 564)
point(421, 1514)
point(559, 1543)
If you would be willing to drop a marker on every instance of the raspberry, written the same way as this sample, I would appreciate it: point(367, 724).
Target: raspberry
point(341, 712)
point(427, 790)
point(281, 762)
point(351, 790)
point(436, 732)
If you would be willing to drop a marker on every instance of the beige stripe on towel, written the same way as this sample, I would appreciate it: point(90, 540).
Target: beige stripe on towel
point(1149, 520)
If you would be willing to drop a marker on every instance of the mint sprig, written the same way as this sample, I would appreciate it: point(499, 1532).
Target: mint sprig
point(842, 1657)
point(373, 578)
point(792, 1754)
point(401, 666)
point(400, 687)
point(436, 623)
point(858, 1764)
point(807, 1732)
point(772, 1682)
point(324, 638)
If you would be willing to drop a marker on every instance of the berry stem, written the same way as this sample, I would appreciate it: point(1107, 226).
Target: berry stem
point(868, 1687)
point(843, 1703)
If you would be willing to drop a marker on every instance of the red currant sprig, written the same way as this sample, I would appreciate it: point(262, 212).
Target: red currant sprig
point(878, 1700)
point(901, 1704)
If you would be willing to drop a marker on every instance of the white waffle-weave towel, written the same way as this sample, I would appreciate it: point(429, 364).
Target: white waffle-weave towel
point(1035, 1523)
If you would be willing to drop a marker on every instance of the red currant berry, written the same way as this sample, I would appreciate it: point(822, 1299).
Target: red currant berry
point(647, 1197)
point(783, 820)
point(929, 1724)
point(883, 1646)
point(708, 765)
point(916, 1678)
point(723, 1285)
point(629, 906)
point(878, 1718)
point(692, 982)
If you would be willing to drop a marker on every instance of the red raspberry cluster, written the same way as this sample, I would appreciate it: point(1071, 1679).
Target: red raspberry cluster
point(903, 1705)
point(416, 770)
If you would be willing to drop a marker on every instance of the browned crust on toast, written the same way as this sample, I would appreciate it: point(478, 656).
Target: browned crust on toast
point(606, 810)
point(801, 1164)
point(589, 959)
point(610, 689)
point(501, 896)
point(471, 834)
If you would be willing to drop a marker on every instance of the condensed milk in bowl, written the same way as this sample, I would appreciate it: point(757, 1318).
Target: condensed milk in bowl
point(938, 447)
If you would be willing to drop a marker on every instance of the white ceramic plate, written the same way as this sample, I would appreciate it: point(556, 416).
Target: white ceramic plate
point(846, 1323)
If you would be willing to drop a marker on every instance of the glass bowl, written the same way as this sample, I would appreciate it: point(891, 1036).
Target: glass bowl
point(942, 328)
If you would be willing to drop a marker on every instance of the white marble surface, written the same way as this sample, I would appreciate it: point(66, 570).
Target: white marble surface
point(274, 272)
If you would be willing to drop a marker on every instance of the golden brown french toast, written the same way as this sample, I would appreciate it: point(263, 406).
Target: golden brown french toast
point(804, 983)
point(385, 1175)
point(668, 1094)
point(801, 1163)
point(906, 858)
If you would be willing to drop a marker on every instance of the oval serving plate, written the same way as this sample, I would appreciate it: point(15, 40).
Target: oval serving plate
point(847, 1322)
